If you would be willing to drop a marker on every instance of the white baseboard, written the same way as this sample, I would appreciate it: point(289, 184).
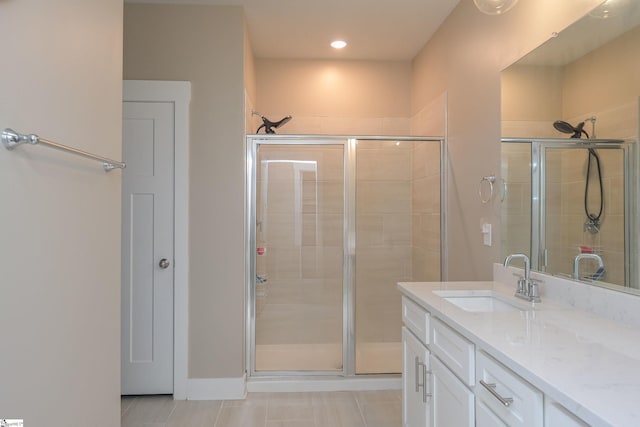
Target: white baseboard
point(338, 384)
point(236, 388)
point(217, 388)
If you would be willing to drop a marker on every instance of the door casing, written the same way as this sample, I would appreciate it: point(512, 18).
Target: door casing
point(178, 93)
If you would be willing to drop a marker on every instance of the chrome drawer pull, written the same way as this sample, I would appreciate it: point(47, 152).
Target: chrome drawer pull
point(418, 364)
point(424, 382)
point(506, 401)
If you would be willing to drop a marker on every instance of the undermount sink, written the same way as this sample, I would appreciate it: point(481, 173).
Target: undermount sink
point(482, 301)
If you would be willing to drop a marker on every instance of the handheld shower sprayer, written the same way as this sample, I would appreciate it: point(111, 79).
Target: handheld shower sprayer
point(577, 130)
point(268, 125)
point(565, 127)
point(594, 220)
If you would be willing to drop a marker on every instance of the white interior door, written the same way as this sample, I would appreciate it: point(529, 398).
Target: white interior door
point(147, 248)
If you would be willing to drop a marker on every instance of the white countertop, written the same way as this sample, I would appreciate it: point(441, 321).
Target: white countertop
point(587, 363)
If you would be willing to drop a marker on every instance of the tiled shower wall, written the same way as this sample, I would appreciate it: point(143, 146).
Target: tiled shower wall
point(515, 194)
point(383, 237)
point(425, 210)
point(299, 225)
point(535, 96)
point(397, 238)
point(566, 172)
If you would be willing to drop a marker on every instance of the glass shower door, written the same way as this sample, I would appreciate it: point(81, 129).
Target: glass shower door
point(299, 257)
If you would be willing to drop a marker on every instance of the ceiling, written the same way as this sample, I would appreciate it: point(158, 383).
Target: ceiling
point(373, 29)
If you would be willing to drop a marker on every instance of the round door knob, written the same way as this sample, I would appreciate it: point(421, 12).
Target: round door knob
point(164, 263)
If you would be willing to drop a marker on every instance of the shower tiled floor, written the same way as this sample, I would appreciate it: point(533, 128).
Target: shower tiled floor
point(336, 409)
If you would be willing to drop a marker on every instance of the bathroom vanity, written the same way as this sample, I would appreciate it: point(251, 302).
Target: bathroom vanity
point(474, 355)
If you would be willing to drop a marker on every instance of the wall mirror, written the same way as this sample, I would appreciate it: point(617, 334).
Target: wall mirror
point(571, 203)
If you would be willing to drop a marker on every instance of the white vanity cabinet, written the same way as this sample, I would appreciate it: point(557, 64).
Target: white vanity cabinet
point(432, 395)
point(493, 367)
point(416, 369)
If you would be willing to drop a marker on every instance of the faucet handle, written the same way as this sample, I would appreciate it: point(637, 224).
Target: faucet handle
point(534, 291)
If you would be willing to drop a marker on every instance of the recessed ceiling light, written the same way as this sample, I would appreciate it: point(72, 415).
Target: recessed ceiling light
point(338, 44)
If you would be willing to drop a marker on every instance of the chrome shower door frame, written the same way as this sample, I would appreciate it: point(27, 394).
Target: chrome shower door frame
point(349, 144)
point(253, 143)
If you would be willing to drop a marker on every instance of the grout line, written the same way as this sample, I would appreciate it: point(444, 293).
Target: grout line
point(215, 422)
point(364, 420)
point(175, 405)
point(128, 406)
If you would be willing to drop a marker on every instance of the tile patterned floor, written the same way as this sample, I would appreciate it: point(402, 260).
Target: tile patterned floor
point(337, 409)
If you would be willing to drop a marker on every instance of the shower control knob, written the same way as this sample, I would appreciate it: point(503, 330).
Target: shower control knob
point(164, 263)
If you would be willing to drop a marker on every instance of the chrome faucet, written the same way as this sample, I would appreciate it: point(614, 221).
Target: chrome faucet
point(527, 288)
point(576, 263)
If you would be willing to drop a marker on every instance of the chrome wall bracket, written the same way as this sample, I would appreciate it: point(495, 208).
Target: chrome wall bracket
point(12, 139)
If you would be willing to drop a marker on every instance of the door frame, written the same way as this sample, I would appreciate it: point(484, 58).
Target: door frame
point(178, 93)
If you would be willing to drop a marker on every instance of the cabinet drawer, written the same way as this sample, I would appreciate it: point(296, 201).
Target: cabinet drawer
point(511, 399)
point(557, 415)
point(416, 319)
point(454, 350)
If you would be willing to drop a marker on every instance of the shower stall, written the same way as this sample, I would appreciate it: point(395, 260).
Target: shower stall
point(334, 223)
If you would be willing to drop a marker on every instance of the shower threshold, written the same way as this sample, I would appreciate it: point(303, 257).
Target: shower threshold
point(277, 384)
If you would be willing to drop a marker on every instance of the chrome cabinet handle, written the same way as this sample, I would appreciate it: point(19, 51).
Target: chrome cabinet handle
point(425, 372)
point(418, 364)
point(506, 401)
point(164, 263)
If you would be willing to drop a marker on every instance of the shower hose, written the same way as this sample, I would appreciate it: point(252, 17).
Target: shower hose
point(593, 218)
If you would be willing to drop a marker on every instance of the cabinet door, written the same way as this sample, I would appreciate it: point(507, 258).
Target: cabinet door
point(415, 399)
point(556, 415)
point(453, 403)
point(486, 418)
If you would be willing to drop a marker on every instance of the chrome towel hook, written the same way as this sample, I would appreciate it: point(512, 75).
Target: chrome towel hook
point(491, 179)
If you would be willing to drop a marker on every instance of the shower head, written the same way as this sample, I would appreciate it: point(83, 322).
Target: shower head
point(565, 127)
point(269, 126)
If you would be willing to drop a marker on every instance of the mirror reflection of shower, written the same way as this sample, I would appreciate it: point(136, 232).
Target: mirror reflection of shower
point(543, 211)
point(268, 125)
point(594, 220)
